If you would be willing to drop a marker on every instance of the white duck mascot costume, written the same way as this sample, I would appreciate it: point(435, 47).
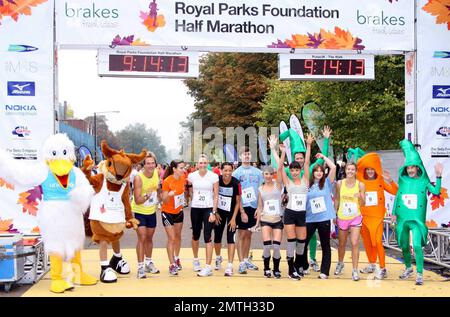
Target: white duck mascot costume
point(66, 196)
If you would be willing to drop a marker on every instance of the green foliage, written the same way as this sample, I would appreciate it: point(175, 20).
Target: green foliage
point(368, 114)
point(230, 88)
point(135, 137)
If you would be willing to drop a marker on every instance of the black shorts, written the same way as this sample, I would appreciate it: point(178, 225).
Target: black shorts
point(297, 218)
point(148, 221)
point(171, 219)
point(273, 225)
point(251, 219)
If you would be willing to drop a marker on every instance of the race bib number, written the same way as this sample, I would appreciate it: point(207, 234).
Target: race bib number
point(248, 195)
point(178, 200)
point(202, 199)
point(350, 209)
point(298, 202)
point(371, 199)
point(272, 207)
point(114, 203)
point(152, 200)
point(410, 201)
point(318, 205)
point(224, 203)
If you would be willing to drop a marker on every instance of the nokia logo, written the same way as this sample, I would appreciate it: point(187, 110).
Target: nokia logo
point(440, 110)
point(20, 110)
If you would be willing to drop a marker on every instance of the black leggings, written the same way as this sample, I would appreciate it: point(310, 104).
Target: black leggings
point(218, 229)
point(324, 234)
point(199, 218)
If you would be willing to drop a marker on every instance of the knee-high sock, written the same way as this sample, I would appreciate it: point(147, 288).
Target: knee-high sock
point(276, 249)
point(299, 251)
point(267, 248)
point(313, 247)
point(290, 248)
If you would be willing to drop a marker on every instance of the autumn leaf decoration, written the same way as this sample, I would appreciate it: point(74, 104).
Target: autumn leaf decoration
point(6, 226)
point(29, 200)
point(150, 23)
point(15, 8)
point(339, 39)
point(127, 40)
point(438, 201)
point(5, 184)
point(440, 9)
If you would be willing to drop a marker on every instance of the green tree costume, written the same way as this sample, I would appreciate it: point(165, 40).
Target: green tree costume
point(410, 205)
point(298, 146)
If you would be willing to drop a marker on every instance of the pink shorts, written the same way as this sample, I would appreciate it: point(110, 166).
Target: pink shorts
point(346, 224)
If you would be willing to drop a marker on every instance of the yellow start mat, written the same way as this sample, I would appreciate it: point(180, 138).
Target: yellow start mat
point(187, 283)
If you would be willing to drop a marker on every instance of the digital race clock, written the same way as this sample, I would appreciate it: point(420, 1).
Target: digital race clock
point(130, 62)
point(326, 67)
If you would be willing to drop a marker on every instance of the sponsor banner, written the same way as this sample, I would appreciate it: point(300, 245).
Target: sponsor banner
point(433, 124)
point(410, 98)
point(26, 99)
point(238, 24)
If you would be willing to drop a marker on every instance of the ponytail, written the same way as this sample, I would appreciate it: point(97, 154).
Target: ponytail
point(169, 169)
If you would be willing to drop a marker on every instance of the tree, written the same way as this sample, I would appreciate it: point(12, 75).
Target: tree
point(135, 137)
point(368, 114)
point(230, 88)
point(103, 131)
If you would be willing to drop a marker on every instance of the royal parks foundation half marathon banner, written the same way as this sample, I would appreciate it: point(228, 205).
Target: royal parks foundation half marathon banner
point(239, 24)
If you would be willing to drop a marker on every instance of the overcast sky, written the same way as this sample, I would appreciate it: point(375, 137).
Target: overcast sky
point(159, 103)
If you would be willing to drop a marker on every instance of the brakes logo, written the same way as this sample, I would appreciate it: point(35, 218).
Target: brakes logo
point(21, 131)
point(21, 88)
point(441, 92)
point(443, 131)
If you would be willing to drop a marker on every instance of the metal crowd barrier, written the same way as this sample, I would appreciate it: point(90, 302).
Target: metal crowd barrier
point(437, 250)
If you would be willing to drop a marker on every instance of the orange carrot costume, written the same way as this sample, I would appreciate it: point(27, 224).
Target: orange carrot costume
point(374, 210)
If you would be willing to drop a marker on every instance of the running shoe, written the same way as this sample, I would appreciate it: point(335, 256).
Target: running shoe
point(229, 271)
point(323, 276)
point(206, 271)
point(173, 269)
point(380, 274)
point(141, 273)
point(368, 269)
point(267, 273)
point(314, 265)
point(277, 274)
point(242, 268)
point(218, 265)
point(355, 275)
point(251, 266)
point(151, 268)
point(407, 272)
point(419, 279)
point(108, 276)
point(196, 265)
point(178, 263)
point(119, 265)
point(301, 272)
point(339, 268)
point(295, 276)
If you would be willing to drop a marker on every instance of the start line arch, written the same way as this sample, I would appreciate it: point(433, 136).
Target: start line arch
point(31, 36)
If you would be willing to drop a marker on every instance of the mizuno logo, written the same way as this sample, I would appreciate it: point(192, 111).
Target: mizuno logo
point(21, 87)
point(441, 92)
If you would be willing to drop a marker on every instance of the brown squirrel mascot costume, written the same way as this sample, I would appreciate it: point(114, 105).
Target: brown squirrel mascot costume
point(110, 211)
